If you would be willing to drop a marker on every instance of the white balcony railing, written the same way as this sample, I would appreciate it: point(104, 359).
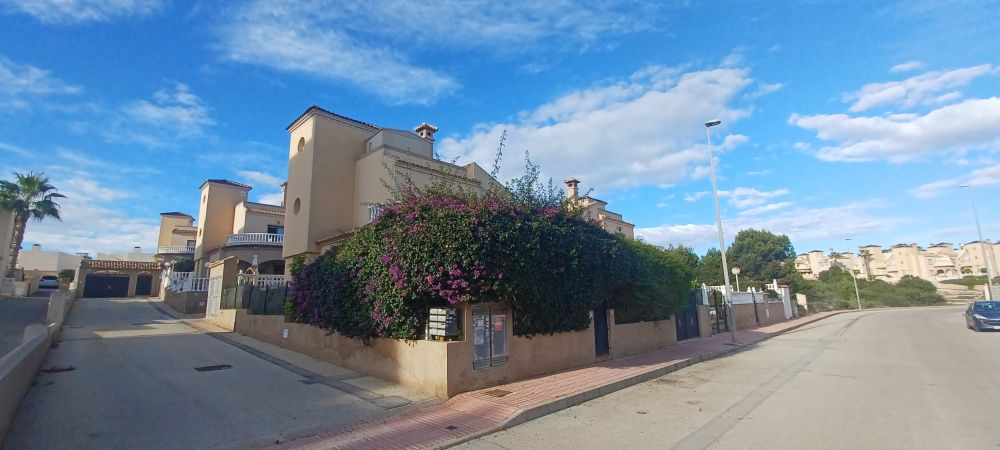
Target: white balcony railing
point(167, 249)
point(255, 239)
point(186, 282)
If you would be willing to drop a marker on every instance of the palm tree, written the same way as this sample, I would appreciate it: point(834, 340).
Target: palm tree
point(866, 258)
point(29, 196)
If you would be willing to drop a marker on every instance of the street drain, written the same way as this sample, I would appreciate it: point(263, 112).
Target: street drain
point(211, 368)
point(58, 369)
point(497, 393)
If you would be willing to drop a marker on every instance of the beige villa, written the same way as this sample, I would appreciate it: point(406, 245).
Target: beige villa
point(340, 172)
point(228, 225)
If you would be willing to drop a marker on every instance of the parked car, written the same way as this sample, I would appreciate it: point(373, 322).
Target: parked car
point(983, 315)
point(49, 281)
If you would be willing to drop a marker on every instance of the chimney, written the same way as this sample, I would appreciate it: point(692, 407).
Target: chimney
point(36, 247)
point(284, 193)
point(572, 188)
point(136, 249)
point(426, 131)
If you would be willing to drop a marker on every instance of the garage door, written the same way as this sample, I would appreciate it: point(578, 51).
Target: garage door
point(105, 286)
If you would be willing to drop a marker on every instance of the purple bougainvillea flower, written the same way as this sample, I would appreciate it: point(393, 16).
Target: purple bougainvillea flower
point(384, 259)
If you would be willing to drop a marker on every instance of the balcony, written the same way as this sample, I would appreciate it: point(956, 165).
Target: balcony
point(174, 249)
point(255, 239)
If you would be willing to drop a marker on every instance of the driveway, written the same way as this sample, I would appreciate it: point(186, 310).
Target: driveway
point(17, 313)
point(126, 376)
point(908, 378)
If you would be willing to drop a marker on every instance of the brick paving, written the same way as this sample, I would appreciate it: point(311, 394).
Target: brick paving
point(477, 413)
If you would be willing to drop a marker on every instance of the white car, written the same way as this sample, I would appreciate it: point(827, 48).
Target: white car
point(49, 282)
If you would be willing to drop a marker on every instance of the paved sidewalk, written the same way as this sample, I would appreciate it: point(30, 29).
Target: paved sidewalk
point(477, 413)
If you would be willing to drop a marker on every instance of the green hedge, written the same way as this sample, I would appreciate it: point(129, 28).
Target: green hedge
point(439, 248)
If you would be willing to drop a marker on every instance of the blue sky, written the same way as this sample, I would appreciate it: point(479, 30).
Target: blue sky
point(840, 119)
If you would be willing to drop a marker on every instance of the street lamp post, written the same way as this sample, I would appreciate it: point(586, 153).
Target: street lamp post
point(736, 271)
point(982, 245)
point(857, 293)
point(718, 223)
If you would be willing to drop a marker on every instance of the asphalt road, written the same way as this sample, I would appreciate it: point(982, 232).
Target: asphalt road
point(915, 378)
point(124, 376)
point(17, 313)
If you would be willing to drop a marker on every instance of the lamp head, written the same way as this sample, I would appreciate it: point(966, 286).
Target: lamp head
point(712, 123)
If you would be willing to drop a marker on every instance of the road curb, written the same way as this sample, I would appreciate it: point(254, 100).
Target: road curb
point(544, 409)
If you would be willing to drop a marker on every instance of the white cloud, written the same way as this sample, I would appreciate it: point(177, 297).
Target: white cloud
point(970, 125)
point(986, 176)
point(906, 67)
point(645, 130)
point(765, 209)
point(377, 46)
point(88, 224)
point(260, 179)
point(88, 189)
point(799, 224)
point(273, 198)
point(80, 11)
point(171, 114)
point(764, 89)
point(742, 197)
point(24, 85)
point(694, 196)
point(277, 35)
point(926, 88)
point(759, 173)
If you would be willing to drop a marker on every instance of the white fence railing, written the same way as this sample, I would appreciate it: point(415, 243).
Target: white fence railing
point(166, 249)
point(263, 281)
point(255, 239)
point(186, 282)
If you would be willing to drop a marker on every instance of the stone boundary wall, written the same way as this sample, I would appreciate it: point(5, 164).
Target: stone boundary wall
point(18, 368)
point(444, 368)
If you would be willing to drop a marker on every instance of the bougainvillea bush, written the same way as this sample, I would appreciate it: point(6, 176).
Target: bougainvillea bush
point(440, 247)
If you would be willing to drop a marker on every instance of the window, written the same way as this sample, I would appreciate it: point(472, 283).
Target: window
point(489, 334)
point(190, 243)
point(302, 144)
point(272, 229)
point(296, 206)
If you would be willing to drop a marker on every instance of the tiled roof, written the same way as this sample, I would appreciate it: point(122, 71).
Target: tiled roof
point(175, 213)
point(226, 182)
point(186, 232)
point(267, 210)
point(317, 108)
point(105, 264)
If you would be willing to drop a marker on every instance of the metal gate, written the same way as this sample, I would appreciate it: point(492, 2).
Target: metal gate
point(717, 312)
point(687, 318)
point(602, 345)
point(105, 285)
point(143, 285)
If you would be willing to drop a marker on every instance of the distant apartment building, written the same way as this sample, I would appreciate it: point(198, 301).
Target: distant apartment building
point(938, 262)
point(37, 262)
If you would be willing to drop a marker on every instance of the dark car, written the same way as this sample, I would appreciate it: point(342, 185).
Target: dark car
point(983, 315)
